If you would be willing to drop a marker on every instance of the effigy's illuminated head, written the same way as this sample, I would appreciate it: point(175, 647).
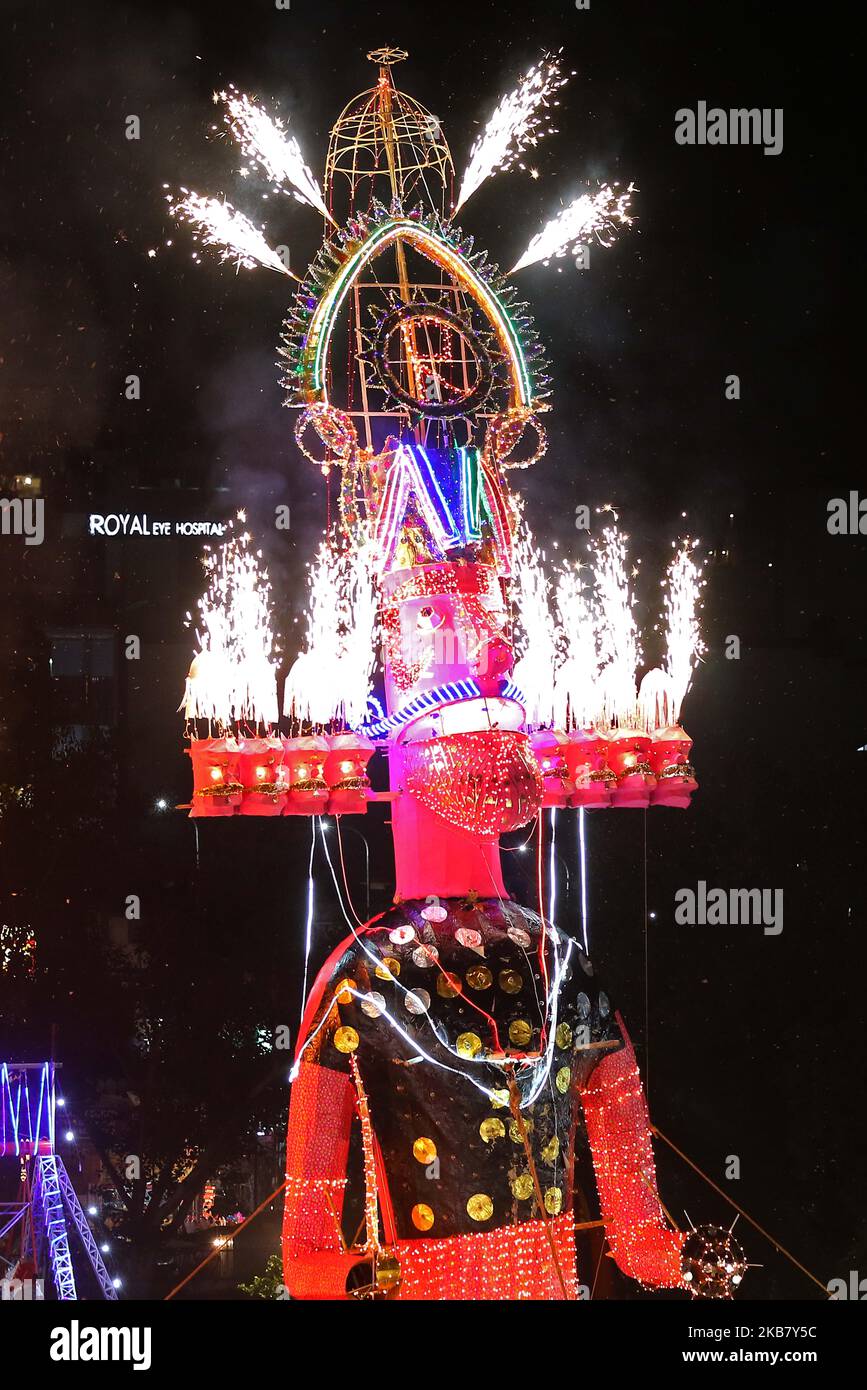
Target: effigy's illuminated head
point(443, 378)
point(441, 385)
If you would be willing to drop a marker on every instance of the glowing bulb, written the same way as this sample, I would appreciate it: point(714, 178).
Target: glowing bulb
point(92, 1211)
point(347, 767)
point(69, 1136)
point(216, 774)
point(302, 773)
point(261, 772)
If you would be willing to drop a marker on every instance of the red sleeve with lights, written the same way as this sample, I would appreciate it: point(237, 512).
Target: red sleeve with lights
point(315, 1264)
point(642, 1242)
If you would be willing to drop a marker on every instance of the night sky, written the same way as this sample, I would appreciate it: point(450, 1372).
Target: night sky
point(737, 263)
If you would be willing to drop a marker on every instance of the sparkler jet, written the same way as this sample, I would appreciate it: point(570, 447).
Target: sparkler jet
point(468, 1035)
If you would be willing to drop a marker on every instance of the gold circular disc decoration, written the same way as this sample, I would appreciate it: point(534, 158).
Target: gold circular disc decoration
point(424, 1150)
point(448, 986)
point(479, 977)
point(492, 1129)
point(553, 1201)
point(520, 1032)
point(510, 981)
point(389, 970)
point(522, 1186)
point(468, 1044)
point(563, 1080)
point(422, 1217)
point(563, 1035)
point(480, 1207)
point(551, 1151)
point(343, 993)
point(346, 1040)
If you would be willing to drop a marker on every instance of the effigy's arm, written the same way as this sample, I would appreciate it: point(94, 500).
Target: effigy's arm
point(315, 1262)
point(642, 1241)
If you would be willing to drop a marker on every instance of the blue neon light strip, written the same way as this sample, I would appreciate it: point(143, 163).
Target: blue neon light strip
point(8, 1108)
point(54, 1226)
point(23, 1124)
point(451, 534)
point(472, 494)
point(451, 693)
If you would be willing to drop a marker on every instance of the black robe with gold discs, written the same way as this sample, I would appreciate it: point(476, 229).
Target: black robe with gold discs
point(471, 1048)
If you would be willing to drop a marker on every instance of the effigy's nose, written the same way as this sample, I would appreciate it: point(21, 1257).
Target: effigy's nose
point(496, 660)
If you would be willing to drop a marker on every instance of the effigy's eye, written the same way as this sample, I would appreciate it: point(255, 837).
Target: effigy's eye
point(429, 618)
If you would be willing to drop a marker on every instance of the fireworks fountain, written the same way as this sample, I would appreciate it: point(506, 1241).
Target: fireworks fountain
point(520, 121)
point(233, 678)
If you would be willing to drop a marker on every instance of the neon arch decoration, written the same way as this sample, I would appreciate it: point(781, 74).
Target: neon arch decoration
point(307, 349)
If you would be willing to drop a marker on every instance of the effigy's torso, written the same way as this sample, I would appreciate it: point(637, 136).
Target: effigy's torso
point(442, 1020)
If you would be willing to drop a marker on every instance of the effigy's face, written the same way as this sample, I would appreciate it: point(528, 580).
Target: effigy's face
point(446, 634)
point(448, 664)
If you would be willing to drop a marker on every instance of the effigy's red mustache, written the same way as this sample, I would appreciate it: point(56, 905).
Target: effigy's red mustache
point(486, 782)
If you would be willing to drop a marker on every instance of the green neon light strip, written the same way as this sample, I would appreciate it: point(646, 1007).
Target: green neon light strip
point(329, 306)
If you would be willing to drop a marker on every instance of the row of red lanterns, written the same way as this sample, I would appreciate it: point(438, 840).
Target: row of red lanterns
point(625, 767)
point(309, 776)
point(275, 776)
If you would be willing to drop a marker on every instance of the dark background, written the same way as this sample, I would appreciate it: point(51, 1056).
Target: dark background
point(737, 263)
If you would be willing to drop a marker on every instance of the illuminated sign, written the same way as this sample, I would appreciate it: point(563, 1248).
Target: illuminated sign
point(140, 524)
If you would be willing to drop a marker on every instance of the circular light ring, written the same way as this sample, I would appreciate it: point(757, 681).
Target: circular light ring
point(433, 410)
point(334, 428)
point(505, 432)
